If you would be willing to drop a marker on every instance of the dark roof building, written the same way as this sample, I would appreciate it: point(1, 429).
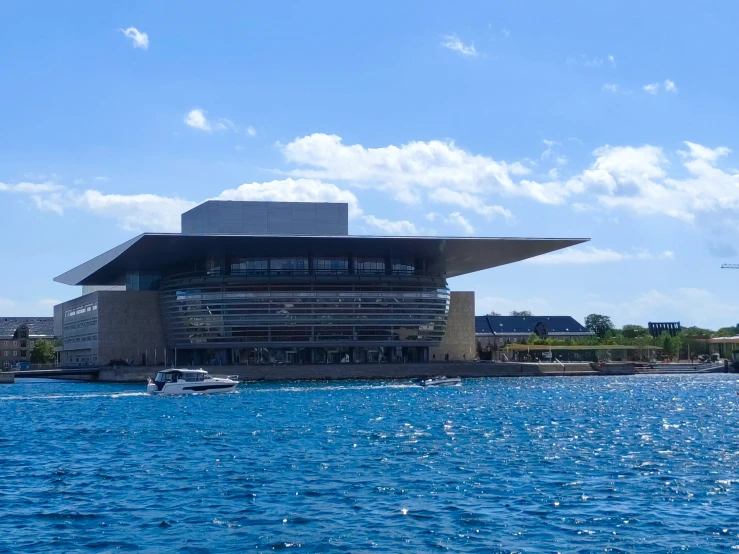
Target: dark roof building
point(275, 282)
point(18, 335)
point(523, 326)
point(42, 327)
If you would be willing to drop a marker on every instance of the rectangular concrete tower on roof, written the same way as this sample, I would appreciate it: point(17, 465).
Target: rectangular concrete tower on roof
point(230, 217)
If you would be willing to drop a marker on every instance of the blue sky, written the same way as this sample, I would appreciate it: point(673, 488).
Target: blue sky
point(609, 120)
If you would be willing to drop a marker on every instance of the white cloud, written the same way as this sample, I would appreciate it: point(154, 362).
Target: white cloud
point(691, 306)
point(432, 216)
point(642, 180)
point(151, 212)
point(30, 188)
point(135, 212)
point(452, 42)
point(506, 33)
point(401, 228)
point(636, 179)
point(458, 220)
point(695, 292)
point(140, 40)
point(405, 171)
point(49, 302)
point(293, 190)
point(224, 124)
point(549, 151)
point(592, 255)
point(469, 201)
point(615, 89)
point(196, 119)
point(652, 88)
point(595, 61)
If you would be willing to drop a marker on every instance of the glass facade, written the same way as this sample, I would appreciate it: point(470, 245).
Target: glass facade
point(331, 265)
point(369, 266)
point(312, 309)
point(249, 265)
point(288, 265)
point(403, 267)
point(143, 280)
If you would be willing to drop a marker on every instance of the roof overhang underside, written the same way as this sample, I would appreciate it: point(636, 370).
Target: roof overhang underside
point(447, 256)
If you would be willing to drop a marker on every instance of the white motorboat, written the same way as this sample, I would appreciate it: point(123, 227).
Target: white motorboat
point(441, 381)
point(189, 381)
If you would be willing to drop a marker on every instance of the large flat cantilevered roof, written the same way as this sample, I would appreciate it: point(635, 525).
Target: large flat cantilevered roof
point(447, 256)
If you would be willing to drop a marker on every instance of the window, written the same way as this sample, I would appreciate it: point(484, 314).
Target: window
point(24, 334)
point(240, 265)
point(23, 344)
point(5, 353)
point(32, 343)
point(289, 264)
point(369, 265)
point(15, 353)
point(403, 267)
point(15, 343)
point(138, 280)
point(6, 343)
point(213, 266)
point(330, 264)
point(23, 353)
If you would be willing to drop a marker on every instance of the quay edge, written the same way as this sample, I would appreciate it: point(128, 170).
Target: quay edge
point(375, 371)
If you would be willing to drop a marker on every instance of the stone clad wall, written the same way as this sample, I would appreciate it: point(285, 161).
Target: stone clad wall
point(129, 326)
point(459, 339)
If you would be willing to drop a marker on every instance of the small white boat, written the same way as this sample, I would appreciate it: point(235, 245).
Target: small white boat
point(441, 381)
point(190, 381)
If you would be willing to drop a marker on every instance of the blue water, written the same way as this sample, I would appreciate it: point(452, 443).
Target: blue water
point(602, 464)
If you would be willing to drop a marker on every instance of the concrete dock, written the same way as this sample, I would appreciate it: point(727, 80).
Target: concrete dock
point(319, 372)
point(377, 371)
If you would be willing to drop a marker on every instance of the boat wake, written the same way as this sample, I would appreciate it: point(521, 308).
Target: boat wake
point(73, 396)
point(322, 388)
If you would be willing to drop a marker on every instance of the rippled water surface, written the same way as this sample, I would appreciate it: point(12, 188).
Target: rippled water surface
point(615, 464)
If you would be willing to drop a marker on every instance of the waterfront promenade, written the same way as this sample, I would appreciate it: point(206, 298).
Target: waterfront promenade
point(386, 371)
point(331, 372)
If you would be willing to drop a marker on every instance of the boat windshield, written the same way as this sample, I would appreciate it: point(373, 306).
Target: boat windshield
point(195, 376)
point(173, 377)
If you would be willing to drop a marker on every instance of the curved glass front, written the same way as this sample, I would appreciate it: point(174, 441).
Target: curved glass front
point(209, 312)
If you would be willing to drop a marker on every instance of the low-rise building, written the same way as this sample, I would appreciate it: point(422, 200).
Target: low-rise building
point(18, 336)
point(493, 332)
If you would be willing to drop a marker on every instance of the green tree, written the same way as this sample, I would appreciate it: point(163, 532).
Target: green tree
point(671, 345)
point(599, 324)
point(493, 312)
point(634, 331)
point(728, 331)
point(42, 352)
point(521, 313)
